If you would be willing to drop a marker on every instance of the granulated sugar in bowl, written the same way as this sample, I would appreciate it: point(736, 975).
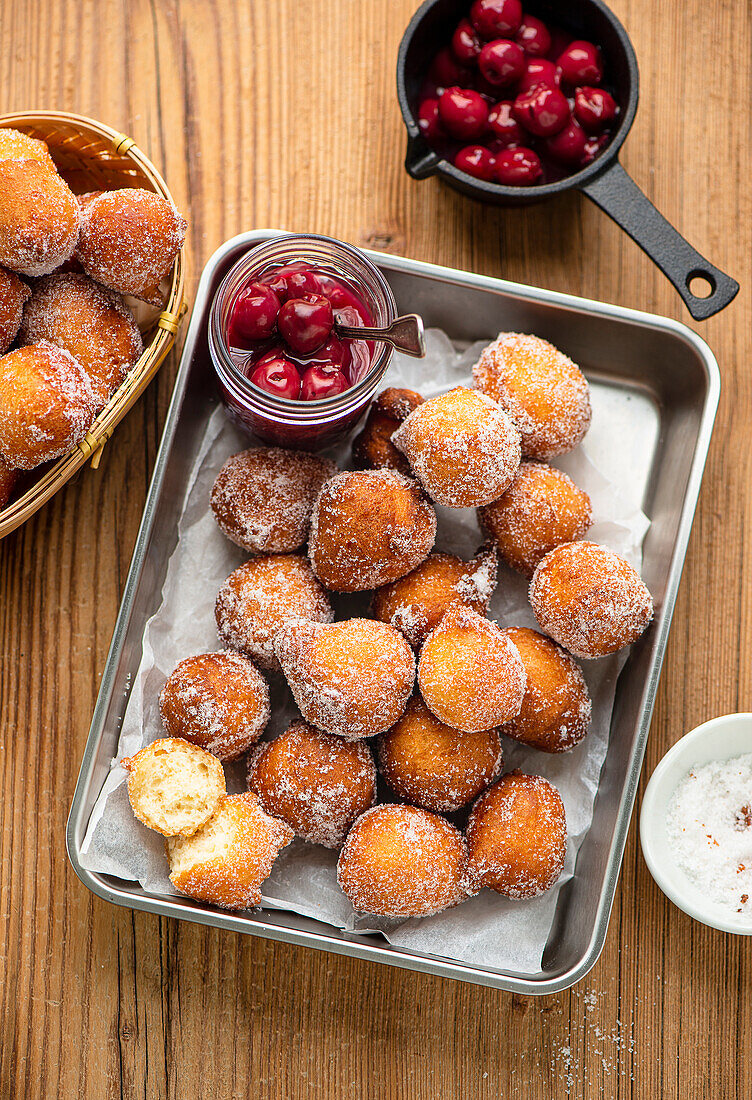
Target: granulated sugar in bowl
point(696, 823)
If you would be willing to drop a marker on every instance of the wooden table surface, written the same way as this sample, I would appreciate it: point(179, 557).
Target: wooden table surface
point(277, 113)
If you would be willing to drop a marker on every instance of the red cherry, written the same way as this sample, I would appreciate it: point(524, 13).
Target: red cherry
point(580, 63)
point(429, 122)
point(534, 37)
point(477, 161)
point(594, 108)
point(277, 376)
point(505, 128)
point(465, 43)
point(463, 113)
point(501, 62)
point(496, 18)
point(542, 110)
point(333, 351)
point(518, 167)
point(593, 147)
point(305, 323)
point(303, 282)
point(538, 71)
point(568, 146)
point(446, 71)
point(255, 311)
point(323, 380)
point(277, 283)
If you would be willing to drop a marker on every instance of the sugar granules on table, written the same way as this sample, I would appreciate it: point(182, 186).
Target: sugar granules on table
point(709, 825)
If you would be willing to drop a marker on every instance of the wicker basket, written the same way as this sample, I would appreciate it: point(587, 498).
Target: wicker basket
point(93, 157)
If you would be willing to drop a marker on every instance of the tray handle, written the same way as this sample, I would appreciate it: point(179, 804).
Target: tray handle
point(616, 193)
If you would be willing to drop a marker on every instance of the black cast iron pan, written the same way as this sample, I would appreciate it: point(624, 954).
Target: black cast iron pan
point(604, 181)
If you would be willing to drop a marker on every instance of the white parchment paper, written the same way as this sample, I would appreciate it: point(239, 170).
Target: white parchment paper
point(488, 929)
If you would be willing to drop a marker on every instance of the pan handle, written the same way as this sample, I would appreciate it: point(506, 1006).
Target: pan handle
point(618, 195)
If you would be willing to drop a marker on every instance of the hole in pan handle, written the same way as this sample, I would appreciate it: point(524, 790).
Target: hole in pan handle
point(618, 195)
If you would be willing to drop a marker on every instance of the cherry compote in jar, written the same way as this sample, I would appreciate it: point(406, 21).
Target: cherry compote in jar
point(284, 373)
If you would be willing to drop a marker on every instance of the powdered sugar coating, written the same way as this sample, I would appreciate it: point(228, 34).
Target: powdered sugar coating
point(543, 391)
point(372, 448)
point(517, 837)
point(218, 701)
point(227, 860)
point(470, 673)
point(92, 323)
point(39, 218)
point(369, 527)
point(416, 603)
point(129, 241)
point(541, 509)
point(589, 600)
point(15, 145)
point(434, 766)
point(556, 709)
point(13, 294)
point(317, 783)
point(263, 594)
point(462, 446)
point(400, 861)
point(352, 678)
point(46, 405)
point(263, 497)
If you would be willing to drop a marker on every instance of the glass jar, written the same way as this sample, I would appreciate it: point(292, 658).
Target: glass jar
point(280, 420)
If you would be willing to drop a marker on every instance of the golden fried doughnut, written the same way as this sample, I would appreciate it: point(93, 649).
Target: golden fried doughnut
point(373, 448)
point(218, 701)
point(399, 861)
point(351, 678)
point(315, 782)
point(90, 322)
point(39, 218)
point(15, 145)
point(262, 498)
point(517, 837)
point(589, 599)
point(13, 294)
point(416, 603)
point(541, 509)
point(174, 787)
point(462, 446)
point(543, 391)
point(369, 527)
point(46, 405)
point(8, 478)
point(556, 709)
point(226, 861)
point(260, 596)
point(433, 765)
point(470, 673)
point(129, 241)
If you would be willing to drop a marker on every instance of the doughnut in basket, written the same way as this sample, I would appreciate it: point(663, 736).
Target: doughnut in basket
point(46, 405)
point(39, 218)
point(13, 293)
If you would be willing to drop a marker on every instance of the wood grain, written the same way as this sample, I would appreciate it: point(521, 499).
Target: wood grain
point(277, 113)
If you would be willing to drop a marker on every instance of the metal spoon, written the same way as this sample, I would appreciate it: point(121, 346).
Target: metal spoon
point(405, 333)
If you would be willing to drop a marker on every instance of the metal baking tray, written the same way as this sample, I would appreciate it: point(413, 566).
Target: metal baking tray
point(663, 384)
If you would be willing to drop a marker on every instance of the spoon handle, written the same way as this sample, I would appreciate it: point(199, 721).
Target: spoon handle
point(405, 333)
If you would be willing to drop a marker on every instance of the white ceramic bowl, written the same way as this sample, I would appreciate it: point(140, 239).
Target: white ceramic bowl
point(719, 739)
